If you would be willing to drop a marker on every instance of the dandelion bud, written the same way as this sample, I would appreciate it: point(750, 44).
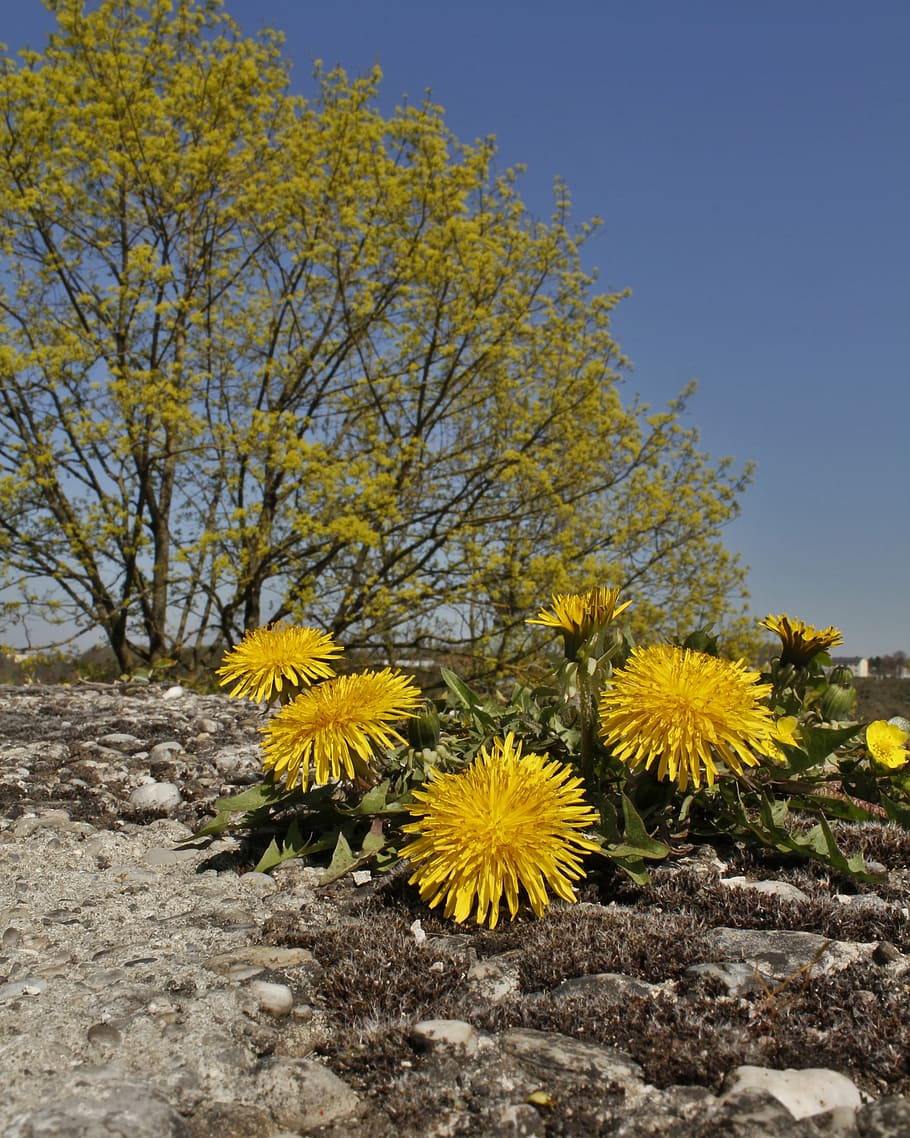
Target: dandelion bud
point(423, 730)
point(837, 702)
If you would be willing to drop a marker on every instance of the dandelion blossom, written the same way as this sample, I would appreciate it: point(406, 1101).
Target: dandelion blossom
point(685, 710)
point(268, 658)
point(886, 743)
point(801, 641)
point(509, 820)
point(577, 613)
point(337, 726)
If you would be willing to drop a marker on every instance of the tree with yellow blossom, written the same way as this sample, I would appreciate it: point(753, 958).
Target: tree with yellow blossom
point(270, 358)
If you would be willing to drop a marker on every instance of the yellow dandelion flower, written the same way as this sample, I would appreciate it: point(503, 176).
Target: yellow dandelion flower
point(337, 725)
point(686, 710)
point(786, 733)
point(269, 658)
point(509, 820)
point(886, 743)
point(801, 641)
point(578, 613)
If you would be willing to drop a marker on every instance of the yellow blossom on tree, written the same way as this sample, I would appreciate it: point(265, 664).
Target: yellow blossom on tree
point(508, 822)
point(684, 711)
point(270, 355)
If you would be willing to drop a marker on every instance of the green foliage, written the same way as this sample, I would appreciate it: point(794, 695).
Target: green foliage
point(815, 772)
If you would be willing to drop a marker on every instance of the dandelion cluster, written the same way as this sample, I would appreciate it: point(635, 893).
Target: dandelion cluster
point(513, 826)
point(336, 724)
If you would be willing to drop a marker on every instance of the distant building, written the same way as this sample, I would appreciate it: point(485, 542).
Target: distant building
point(859, 665)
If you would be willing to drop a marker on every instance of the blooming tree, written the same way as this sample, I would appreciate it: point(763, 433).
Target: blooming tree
point(266, 357)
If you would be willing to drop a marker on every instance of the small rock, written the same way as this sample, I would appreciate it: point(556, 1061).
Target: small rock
point(782, 889)
point(607, 987)
point(159, 855)
point(162, 752)
point(104, 1035)
point(455, 1033)
point(260, 883)
point(106, 1111)
point(28, 986)
point(544, 1051)
point(782, 953)
point(804, 1093)
point(118, 741)
point(736, 976)
point(174, 692)
point(276, 999)
point(495, 977)
point(156, 796)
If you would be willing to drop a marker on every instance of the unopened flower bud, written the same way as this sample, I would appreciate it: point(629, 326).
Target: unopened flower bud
point(423, 730)
point(837, 702)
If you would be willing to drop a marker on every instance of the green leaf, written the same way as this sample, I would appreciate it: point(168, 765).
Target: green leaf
point(843, 808)
point(345, 861)
point(636, 834)
point(636, 842)
point(218, 825)
point(828, 850)
point(374, 802)
point(896, 811)
point(293, 845)
point(632, 866)
point(817, 743)
point(254, 797)
point(342, 861)
point(374, 840)
point(468, 699)
point(819, 843)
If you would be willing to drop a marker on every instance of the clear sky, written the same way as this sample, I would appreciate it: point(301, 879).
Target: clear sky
point(751, 164)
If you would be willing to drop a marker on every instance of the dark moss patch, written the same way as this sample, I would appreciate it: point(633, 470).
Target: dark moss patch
point(373, 988)
point(705, 899)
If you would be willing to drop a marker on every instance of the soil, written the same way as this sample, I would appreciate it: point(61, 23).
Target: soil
point(881, 698)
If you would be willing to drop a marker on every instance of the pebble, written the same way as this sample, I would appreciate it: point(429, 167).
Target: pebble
point(276, 999)
point(156, 796)
point(454, 1033)
point(782, 889)
point(812, 1090)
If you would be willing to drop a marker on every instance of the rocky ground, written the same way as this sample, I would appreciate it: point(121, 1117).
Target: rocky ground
point(156, 990)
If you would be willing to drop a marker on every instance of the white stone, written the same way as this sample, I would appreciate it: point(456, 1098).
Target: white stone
point(276, 999)
point(804, 1093)
point(162, 752)
point(261, 884)
point(782, 889)
point(446, 1033)
point(174, 692)
point(156, 796)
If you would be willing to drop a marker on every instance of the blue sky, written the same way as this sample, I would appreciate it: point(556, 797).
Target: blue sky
point(751, 166)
